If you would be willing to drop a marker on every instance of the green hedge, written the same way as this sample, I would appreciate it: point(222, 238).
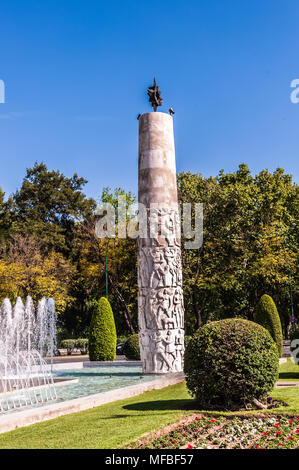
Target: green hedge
point(131, 348)
point(82, 344)
point(267, 315)
point(122, 339)
point(102, 331)
point(230, 362)
point(69, 345)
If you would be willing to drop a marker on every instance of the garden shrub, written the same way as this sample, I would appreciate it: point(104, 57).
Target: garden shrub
point(102, 331)
point(82, 344)
point(69, 345)
point(268, 316)
point(122, 339)
point(131, 349)
point(187, 339)
point(230, 362)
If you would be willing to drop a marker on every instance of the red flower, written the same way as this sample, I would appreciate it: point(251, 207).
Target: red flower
point(197, 419)
point(279, 433)
point(174, 442)
point(290, 437)
point(291, 422)
point(276, 424)
point(265, 434)
point(190, 446)
point(297, 431)
point(212, 421)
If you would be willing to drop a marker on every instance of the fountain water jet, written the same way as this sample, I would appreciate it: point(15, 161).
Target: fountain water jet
point(24, 339)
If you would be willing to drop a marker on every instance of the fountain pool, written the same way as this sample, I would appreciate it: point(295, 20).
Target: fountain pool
point(32, 391)
point(85, 381)
point(92, 380)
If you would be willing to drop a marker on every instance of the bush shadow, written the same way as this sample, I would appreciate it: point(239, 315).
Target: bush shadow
point(163, 405)
point(288, 375)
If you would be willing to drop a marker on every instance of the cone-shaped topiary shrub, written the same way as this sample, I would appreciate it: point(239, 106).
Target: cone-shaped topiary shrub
point(229, 363)
point(132, 349)
point(267, 315)
point(102, 331)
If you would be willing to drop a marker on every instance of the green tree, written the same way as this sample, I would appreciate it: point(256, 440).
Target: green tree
point(89, 256)
point(49, 205)
point(102, 331)
point(5, 218)
point(27, 267)
point(250, 244)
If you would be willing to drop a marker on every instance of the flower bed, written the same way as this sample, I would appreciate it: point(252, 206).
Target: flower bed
point(206, 432)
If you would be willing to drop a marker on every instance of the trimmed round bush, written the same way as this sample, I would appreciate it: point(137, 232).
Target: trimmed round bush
point(102, 331)
point(267, 315)
point(228, 363)
point(132, 349)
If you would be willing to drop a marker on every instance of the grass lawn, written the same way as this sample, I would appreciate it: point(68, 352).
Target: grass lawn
point(116, 424)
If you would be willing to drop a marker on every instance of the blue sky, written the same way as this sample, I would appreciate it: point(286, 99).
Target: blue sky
point(76, 75)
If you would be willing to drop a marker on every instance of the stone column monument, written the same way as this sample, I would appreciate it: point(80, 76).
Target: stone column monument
point(160, 296)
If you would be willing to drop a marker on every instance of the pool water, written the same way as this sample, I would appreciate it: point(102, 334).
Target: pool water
point(90, 381)
point(99, 379)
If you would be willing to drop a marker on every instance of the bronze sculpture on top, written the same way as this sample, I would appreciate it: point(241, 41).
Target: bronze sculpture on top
point(154, 95)
point(160, 294)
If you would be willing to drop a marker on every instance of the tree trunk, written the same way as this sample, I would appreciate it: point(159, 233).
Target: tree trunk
point(123, 303)
point(196, 310)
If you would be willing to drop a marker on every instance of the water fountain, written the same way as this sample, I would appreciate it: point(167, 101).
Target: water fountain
point(25, 338)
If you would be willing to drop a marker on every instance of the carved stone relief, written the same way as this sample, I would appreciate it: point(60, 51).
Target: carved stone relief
point(161, 305)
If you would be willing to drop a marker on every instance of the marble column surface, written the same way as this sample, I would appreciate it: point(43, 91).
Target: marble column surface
point(160, 295)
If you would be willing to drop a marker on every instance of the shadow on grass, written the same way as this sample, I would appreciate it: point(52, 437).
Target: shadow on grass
point(159, 405)
point(288, 375)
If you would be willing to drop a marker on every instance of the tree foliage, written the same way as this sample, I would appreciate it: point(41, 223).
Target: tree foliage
point(250, 246)
point(90, 254)
point(49, 204)
point(28, 268)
